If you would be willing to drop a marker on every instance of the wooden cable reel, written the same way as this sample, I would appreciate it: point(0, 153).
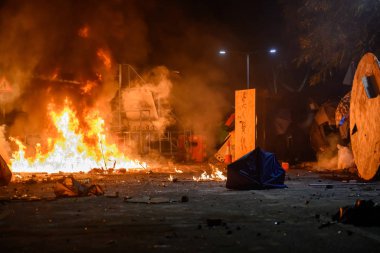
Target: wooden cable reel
point(365, 116)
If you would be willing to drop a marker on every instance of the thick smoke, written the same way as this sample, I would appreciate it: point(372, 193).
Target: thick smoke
point(53, 50)
point(201, 106)
point(151, 94)
point(328, 157)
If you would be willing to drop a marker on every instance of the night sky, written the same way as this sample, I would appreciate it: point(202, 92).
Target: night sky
point(196, 30)
point(40, 38)
point(149, 33)
point(183, 35)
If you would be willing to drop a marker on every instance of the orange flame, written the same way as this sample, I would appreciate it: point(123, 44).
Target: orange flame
point(105, 57)
point(216, 175)
point(84, 31)
point(54, 75)
point(88, 87)
point(177, 170)
point(73, 150)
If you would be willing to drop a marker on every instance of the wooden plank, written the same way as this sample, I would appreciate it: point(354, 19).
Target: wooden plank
point(365, 120)
point(245, 122)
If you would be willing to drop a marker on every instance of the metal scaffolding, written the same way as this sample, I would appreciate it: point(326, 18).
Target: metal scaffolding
point(140, 134)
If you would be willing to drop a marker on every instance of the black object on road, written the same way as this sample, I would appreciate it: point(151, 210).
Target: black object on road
point(256, 170)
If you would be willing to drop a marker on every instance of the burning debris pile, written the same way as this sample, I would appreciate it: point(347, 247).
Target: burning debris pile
point(363, 213)
point(5, 173)
point(72, 149)
point(57, 98)
point(215, 175)
point(68, 103)
point(69, 187)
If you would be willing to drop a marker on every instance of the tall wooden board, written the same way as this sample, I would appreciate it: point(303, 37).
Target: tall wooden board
point(245, 122)
point(365, 119)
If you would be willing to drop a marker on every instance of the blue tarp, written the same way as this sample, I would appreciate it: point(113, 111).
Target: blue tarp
point(256, 170)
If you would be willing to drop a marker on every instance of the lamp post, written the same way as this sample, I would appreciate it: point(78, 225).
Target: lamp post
point(223, 52)
point(271, 51)
point(247, 55)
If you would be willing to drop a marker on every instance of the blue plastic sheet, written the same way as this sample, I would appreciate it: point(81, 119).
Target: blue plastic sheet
point(256, 170)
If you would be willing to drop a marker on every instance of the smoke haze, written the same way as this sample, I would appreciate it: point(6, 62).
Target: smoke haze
point(53, 50)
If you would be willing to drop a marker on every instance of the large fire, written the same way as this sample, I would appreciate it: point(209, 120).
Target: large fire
point(73, 149)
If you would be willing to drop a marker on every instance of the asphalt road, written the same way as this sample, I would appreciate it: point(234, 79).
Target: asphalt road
point(143, 212)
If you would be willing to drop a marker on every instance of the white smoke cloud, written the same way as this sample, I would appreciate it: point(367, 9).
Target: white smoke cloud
point(149, 99)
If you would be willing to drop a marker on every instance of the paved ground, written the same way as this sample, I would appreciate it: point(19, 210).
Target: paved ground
point(214, 219)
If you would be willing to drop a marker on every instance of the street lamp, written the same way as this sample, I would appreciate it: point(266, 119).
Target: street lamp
point(247, 54)
point(223, 52)
point(273, 51)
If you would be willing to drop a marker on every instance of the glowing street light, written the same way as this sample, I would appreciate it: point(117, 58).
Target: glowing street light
point(272, 51)
point(247, 54)
point(223, 52)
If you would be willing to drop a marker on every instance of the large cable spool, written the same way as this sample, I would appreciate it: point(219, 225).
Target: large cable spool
point(365, 116)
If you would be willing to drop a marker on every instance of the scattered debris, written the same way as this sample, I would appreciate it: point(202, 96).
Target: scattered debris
point(172, 179)
point(26, 197)
point(101, 171)
point(116, 195)
point(285, 166)
point(216, 175)
point(121, 171)
point(144, 166)
point(96, 171)
point(326, 224)
point(184, 198)
point(154, 200)
point(178, 171)
point(32, 180)
point(95, 189)
point(159, 200)
point(331, 185)
point(69, 187)
point(111, 242)
point(84, 181)
point(363, 213)
point(5, 172)
point(214, 222)
point(255, 170)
